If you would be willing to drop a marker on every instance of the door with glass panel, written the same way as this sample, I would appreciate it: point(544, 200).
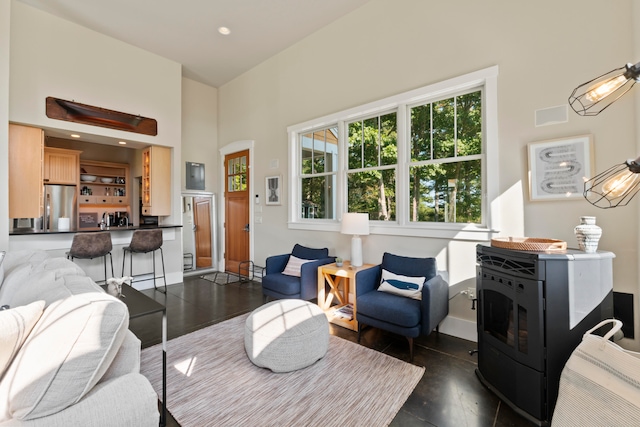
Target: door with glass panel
point(236, 168)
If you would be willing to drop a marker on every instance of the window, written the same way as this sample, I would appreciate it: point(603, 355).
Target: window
point(318, 160)
point(445, 171)
point(373, 157)
point(419, 163)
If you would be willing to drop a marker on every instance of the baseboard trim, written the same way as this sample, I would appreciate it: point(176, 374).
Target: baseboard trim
point(461, 328)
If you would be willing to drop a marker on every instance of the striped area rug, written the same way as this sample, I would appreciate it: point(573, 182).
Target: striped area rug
point(211, 382)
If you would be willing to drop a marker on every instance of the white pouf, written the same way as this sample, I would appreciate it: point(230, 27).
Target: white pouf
point(286, 335)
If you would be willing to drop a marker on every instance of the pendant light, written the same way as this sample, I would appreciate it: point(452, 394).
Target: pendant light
point(614, 187)
point(594, 96)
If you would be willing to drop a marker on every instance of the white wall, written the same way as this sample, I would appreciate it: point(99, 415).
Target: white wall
point(543, 49)
point(200, 130)
point(5, 36)
point(53, 57)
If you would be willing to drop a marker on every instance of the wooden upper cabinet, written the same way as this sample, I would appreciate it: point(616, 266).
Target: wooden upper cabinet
point(156, 181)
point(25, 171)
point(61, 166)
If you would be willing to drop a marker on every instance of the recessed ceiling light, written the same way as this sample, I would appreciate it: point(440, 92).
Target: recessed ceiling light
point(122, 142)
point(224, 31)
point(75, 135)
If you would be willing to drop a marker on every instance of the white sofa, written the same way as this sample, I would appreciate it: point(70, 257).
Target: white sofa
point(67, 357)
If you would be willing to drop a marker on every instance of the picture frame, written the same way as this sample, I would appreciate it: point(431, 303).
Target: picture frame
point(559, 167)
point(273, 185)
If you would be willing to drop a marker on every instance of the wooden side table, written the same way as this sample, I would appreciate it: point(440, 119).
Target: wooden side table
point(340, 280)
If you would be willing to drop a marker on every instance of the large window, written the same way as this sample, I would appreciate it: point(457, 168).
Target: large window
point(445, 172)
point(418, 163)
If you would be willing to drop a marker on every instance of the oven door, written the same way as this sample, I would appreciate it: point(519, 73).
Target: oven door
point(510, 317)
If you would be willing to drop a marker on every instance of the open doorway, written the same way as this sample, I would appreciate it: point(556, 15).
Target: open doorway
point(198, 233)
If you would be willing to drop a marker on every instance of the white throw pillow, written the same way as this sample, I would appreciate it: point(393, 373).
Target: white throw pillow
point(405, 286)
point(68, 351)
point(15, 325)
point(295, 265)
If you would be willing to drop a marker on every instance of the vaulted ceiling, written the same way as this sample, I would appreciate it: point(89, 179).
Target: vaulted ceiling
point(187, 31)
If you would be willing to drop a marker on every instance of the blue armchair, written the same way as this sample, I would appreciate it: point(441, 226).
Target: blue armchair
point(398, 314)
point(277, 285)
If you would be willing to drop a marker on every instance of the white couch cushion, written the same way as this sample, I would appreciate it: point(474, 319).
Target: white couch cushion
point(1, 267)
point(15, 325)
point(51, 280)
point(66, 354)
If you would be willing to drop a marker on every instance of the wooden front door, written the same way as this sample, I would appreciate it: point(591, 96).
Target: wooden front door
point(236, 168)
point(202, 222)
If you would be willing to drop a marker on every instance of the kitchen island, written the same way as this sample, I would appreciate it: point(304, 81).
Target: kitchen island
point(57, 243)
point(30, 231)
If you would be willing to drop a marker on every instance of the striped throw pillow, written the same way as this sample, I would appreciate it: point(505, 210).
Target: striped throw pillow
point(294, 265)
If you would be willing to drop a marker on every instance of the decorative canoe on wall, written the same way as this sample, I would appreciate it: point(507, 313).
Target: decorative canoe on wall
point(71, 111)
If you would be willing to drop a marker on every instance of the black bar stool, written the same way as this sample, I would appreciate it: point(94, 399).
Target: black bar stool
point(90, 246)
point(142, 242)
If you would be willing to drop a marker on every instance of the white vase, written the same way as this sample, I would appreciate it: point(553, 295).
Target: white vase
point(588, 234)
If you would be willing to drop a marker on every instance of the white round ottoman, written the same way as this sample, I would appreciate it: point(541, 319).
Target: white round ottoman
point(286, 335)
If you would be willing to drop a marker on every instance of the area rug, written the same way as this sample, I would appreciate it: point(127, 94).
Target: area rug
point(221, 278)
point(211, 382)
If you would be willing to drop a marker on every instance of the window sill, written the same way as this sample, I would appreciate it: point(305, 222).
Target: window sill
point(435, 231)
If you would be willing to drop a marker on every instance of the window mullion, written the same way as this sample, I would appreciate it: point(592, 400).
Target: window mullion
point(343, 166)
point(455, 126)
point(431, 130)
point(403, 124)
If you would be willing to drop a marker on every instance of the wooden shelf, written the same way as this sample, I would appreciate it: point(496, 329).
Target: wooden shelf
point(97, 201)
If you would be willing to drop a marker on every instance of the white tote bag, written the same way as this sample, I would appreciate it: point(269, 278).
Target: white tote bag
point(600, 384)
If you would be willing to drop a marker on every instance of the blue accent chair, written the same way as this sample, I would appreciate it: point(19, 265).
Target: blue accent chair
point(399, 314)
point(282, 286)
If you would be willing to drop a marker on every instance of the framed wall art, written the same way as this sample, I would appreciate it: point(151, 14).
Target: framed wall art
point(273, 190)
point(558, 168)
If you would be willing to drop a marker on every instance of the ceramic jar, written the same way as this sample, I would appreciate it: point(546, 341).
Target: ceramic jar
point(588, 234)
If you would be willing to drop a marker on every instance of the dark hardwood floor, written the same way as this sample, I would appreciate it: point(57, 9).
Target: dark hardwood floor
point(448, 395)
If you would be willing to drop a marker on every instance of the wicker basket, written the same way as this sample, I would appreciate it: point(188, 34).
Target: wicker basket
point(529, 244)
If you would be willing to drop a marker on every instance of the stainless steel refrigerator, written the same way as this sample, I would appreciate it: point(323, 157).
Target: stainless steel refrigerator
point(60, 207)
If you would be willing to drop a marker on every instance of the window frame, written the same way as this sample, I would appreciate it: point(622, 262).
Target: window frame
point(485, 80)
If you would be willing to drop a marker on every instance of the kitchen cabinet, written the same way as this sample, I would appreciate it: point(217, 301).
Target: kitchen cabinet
point(61, 166)
point(104, 187)
point(156, 181)
point(25, 171)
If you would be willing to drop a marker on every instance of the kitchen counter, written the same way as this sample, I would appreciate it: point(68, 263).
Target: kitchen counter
point(31, 232)
point(57, 244)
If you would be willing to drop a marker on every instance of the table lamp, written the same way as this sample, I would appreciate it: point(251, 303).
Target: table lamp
point(356, 224)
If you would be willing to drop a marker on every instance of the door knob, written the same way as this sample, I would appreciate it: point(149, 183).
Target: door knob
point(246, 227)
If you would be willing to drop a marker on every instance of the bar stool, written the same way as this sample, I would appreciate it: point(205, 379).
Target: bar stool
point(90, 246)
point(142, 242)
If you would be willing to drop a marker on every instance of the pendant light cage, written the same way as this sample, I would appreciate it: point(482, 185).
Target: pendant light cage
point(614, 187)
point(593, 97)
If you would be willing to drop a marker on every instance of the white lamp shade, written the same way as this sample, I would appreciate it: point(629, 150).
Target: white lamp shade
point(355, 223)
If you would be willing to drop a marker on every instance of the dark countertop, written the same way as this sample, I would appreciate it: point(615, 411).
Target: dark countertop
point(30, 231)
